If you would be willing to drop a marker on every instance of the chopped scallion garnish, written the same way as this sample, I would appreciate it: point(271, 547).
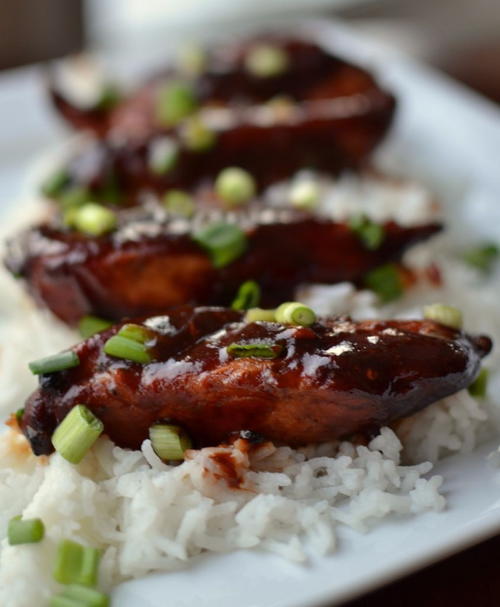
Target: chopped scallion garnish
point(74, 197)
point(169, 442)
point(482, 257)
point(256, 314)
point(295, 313)
point(224, 242)
point(304, 195)
point(109, 192)
point(94, 219)
point(19, 415)
point(76, 564)
point(27, 531)
point(136, 332)
point(386, 282)
point(90, 325)
point(68, 216)
point(255, 350)
point(56, 362)
point(128, 349)
point(129, 343)
point(79, 596)
point(174, 102)
point(282, 108)
point(192, 60)
point(235, 186)
point(370, 233)
point(179, 203)
point(109, 97)
point(445, 315)
point(77, 432)
point(266, 60)
point(55, 184)
point(480, 384)
point(163, 154)
point(196, 135)
point(248, 296)
point(59, 600)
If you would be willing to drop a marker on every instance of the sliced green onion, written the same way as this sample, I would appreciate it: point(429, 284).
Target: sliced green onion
point(266, 60)
point(386, 282)
point(192, 60)
point(110, 191)
point(62, 601)
point(128, 349)
point(304, 195)
point(109, 97)
point(74, 197)
point(224, 242)
point(256, 314)
point(136, 332)
point(248, 296)
point(169, 442)
point(69, 216)
point(55, 184)
point(94, 219)
point(76, 564)
point(79, 596)
point(445, 315)
point(19, 415)
point(179, 203)
point(27, 531)
point(482, 257)
point(479, 385)
point(254, 350)
point(174, 102)
point(295, 313)
point(77, 432)
point(370, 233)
point(90, 325)
point(282, 107)
point(196, 135)
point(56, 362)
point(235, 186)
point(163, 155)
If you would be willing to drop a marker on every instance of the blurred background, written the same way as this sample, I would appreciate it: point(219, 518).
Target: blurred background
point(459, 37)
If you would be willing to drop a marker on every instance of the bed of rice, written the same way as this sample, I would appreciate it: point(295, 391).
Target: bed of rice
point(147, 516)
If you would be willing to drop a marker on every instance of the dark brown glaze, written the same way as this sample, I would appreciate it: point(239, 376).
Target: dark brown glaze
point(333, 379)
point(149, 265)
point(338, 115)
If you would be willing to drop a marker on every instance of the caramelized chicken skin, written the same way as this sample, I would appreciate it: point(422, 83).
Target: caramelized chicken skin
point(330, 380)
point(337, 116)
point(146, 266)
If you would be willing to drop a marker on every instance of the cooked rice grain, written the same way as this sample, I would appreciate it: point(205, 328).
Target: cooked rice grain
point(150, 519)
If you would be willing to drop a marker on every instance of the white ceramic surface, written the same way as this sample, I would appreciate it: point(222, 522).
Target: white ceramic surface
point(452, 136)
point(363, 562)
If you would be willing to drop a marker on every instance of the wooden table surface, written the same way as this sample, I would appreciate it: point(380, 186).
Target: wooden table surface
point(469, 578)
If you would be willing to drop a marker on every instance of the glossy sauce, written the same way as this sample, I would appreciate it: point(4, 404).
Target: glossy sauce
point(150, 264)
point(332, 380)
point(338, 114)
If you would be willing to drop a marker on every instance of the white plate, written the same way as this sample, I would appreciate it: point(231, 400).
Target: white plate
point(363, 562)
point(445, 132)
point(452, 136)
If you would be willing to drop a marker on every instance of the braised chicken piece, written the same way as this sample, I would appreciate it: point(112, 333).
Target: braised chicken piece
point(318, 111)
point(152, 262)
point(213, 374)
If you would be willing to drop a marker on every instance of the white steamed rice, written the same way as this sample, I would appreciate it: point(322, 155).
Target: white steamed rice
point(147, 516)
